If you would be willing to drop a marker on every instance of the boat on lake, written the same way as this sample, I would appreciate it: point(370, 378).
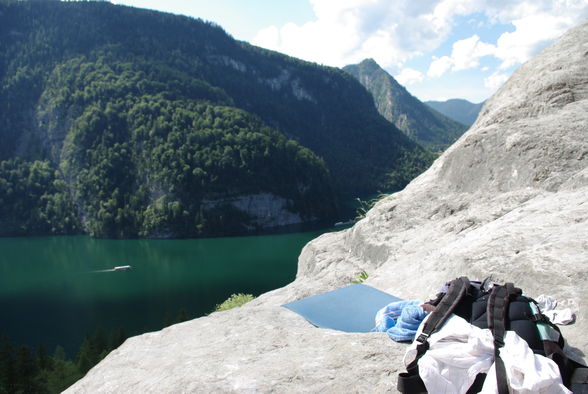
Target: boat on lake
point(122, 268)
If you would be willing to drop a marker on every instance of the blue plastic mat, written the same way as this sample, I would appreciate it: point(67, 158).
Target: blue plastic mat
point(350, 309)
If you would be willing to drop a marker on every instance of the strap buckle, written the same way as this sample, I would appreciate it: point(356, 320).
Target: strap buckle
point(539, 318)
point(422, 338)
point(498, 343)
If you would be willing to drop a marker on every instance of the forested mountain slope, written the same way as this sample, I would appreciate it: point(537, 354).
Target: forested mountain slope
point(415, 119)
point(122, 122)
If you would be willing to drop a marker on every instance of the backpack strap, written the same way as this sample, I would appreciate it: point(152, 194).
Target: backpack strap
point(497, 310)
point(457, 289)
point(410, 381)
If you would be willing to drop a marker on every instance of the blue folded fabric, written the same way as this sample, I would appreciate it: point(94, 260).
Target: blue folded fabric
point(400, 320)
point(350, 308)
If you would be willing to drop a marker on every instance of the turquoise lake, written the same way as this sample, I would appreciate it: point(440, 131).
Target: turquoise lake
point(56, 290)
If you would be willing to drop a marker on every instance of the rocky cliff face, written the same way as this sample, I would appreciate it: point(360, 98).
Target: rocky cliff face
point(266, 210)
point(507, 200)
point(420, 122)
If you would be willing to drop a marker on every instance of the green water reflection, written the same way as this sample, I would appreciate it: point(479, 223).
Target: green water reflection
point(56, 290)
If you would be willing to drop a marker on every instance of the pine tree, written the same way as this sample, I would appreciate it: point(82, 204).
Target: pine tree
point(43, 359)
point(7, 367)
point(88, 355)
point(26, 372)
point(117, 338)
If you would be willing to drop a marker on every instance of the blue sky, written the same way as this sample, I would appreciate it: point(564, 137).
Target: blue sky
point(437, 49)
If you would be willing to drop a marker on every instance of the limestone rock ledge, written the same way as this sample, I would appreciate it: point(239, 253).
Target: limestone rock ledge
point(265, 209)
point(508, 200)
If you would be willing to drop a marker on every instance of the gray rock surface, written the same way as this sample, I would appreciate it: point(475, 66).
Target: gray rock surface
point(509, 199)
point(265, 209)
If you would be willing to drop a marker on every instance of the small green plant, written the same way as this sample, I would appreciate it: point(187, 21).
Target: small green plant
point(363, 206)
point(234, 301)
point(360, 277)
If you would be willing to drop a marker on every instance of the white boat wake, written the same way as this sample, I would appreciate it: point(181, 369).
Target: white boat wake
point(118, 268)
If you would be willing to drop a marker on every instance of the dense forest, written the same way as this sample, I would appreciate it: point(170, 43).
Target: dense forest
point(23, 370)
point(122, 122)
point(36, 371)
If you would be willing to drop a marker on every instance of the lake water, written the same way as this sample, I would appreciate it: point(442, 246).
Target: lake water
point(56, 290)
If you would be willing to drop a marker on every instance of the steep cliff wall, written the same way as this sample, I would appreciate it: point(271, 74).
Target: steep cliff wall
point(509, 199)
point(266, 210)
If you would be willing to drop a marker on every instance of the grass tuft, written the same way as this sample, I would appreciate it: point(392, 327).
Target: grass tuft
point(234, 301)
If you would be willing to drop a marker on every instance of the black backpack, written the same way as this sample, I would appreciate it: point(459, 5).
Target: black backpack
point(499, 308)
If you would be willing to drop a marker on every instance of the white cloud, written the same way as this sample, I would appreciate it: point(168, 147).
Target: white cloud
point(348, 31)
point(495, 80)
point(439, 66)
point(532, 33)
point(409, 76)
point(536, 24)
point(394, 32)
point(270, 37)
point(465, 55)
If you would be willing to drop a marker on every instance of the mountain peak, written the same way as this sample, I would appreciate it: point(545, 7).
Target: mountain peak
point(415, 119)
point(369, 62)
point(366, 66)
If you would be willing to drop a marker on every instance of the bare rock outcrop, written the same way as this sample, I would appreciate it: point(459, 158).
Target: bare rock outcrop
point(508, 200)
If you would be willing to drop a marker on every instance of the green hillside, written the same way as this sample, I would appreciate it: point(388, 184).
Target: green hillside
point(122, 122)
point(424, 125)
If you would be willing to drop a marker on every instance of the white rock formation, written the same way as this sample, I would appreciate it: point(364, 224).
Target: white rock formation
point(265, 209)
point(509, 199)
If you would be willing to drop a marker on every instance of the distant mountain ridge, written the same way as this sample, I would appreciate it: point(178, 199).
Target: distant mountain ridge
point(122, 122)
point(428, 127)
point(458, 109)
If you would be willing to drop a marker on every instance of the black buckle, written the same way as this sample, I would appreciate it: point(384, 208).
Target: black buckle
point(422, 338)
point(498, 343)
point(539, 318)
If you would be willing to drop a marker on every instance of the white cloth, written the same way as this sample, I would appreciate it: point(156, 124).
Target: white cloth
point(560, 316)
point(527, 372)
point(459, 351)
point(547, 306)
point(546, 302)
